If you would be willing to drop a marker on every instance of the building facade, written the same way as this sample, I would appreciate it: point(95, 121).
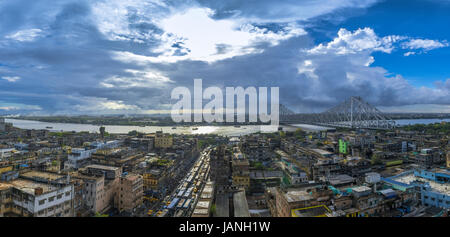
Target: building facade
point(130, 193)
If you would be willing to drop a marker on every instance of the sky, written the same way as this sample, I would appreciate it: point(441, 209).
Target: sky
point(97, 57)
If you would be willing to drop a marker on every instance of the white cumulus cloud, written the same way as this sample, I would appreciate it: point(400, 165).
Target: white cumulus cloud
point(206, 39)
point(348, 42)
point(424, 44)
point(366, 40)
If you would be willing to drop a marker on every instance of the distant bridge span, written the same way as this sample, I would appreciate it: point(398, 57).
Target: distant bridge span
point(352, 113)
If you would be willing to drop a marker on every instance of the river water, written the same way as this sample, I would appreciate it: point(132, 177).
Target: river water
point(120, 129)
point(219, 130)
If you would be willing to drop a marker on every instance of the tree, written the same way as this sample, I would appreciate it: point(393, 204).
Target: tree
point(97, 214)
point(375, 160)
point(212, 209)
point(299, 132)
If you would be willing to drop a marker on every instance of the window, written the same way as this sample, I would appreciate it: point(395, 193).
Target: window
point(59, 196)
point(51, 199)
point(41, 202)
point(67, 194)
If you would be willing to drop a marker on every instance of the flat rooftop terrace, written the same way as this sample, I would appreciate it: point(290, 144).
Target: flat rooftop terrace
point(4, 186)
point(222, 205)
point(42, 175)
point(240, 205)
point(310, 211)
point(297, 196)
point(29, 186)
point(103, 167)
point(409, 178)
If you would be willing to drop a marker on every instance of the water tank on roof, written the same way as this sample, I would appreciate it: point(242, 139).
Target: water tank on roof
point(38, 191)
point(372, 178)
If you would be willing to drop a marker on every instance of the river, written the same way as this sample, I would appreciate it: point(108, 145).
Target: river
point(123, 129)
point(219, 130)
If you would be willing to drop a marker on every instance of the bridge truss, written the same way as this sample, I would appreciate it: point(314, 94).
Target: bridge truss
point(352, 113)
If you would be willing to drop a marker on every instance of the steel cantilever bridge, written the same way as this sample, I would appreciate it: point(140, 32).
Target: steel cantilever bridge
point(352, 113)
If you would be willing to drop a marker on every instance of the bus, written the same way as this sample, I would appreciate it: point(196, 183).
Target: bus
point(181, 203)
point(187, 204)
point(189, 180)
point(181, 192)
point(173, 203)
point(188, 193)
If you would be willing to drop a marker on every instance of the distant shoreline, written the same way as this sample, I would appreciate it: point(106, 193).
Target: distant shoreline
point(136, 121)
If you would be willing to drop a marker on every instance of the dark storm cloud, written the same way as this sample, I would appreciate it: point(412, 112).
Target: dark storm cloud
point(66, 62)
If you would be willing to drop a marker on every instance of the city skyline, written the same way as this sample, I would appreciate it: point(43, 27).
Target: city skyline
point(125, 57)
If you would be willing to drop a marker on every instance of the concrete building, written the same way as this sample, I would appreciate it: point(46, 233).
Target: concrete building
point(93, 199)
point(109, 172)
point(78, 157)
point(127, 159)
point(152, 179)
point(130, 193)
point(429, 157)
point(240, 204)
point(220, 166)
point(433, 185)
point(163, 140)
point(301, 197)
point(5, 153)
point(240, 171)
point(100, 185)
point(448, 159)
point(315, 211)
point(4, 126)
point(37, 194)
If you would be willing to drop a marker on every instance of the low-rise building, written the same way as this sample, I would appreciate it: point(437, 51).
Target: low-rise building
point(448, 159)
point(130, 193)
point(240, 171)
point(37, 194)
point(301, 197)
point(432, 185)
point(151, 179)
point(99, 187)
point(163, 140)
